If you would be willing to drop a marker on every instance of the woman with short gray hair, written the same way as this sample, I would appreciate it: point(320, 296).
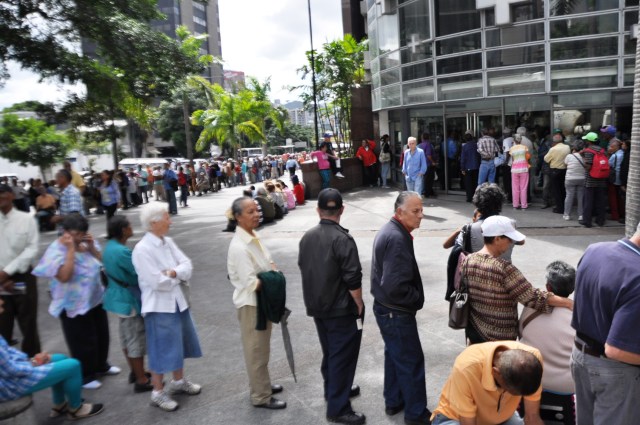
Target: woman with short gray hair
point(163, 274)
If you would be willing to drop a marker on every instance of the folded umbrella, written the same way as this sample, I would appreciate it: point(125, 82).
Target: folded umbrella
point(286, 338)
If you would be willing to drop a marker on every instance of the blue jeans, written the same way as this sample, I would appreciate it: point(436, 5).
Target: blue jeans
point(404, 375)
point(414, 185)
point(171, 199)
point(384, 172)
point(325, 175)
point(443, 420)
point(487, 171)
point(607, 391)
point(65, 380)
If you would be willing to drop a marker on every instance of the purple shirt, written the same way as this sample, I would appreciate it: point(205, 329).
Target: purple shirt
point(427, 147)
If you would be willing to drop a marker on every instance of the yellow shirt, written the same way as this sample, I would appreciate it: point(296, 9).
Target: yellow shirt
point(77, 180)
point(556, 155)
point(471, 390)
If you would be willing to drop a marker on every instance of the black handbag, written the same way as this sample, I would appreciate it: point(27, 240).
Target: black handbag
point(459, 301)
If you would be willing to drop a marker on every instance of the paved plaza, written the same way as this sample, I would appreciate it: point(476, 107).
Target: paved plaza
point(225, 397)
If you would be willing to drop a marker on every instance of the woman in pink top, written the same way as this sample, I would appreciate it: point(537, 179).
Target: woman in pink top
point(519, 173)
point(322, 158)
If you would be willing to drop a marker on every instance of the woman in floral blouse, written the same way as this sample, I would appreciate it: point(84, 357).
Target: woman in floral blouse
point(21, 376)
point(72, 262)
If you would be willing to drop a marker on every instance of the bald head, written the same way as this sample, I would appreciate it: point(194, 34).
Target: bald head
point(520, 370)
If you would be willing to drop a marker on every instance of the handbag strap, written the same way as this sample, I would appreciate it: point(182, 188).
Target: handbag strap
point(530, 318)
point(578, 158)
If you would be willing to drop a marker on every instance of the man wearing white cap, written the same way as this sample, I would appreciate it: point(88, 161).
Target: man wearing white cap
point(496, 286)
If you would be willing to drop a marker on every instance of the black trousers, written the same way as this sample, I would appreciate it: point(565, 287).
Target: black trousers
point(87, 336)
point(340, 341)
point(558, 191)
point(143, 193)
point(505, 174)
point(124, 198)
point(23, 307)
point(594, 201)
point(429, 179)
point(370, 175)
point(470, 183)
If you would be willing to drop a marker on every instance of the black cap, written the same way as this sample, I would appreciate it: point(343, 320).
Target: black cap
point(329, 199)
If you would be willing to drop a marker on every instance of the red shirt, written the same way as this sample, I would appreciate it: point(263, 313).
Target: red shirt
point(367, 156)
point(182, 179)
point(298, 192)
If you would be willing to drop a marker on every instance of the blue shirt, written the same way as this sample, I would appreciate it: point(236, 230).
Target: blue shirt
point(470, 158)
point(117, 263)
point(607, 296)
point(452, 148)
point(70, 201)
point(414, 164)
point(110, 194)
point(615, 161)
point(168, 176)
point(17, 375)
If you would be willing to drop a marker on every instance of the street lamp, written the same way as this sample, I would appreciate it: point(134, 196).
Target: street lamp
point(313, 80)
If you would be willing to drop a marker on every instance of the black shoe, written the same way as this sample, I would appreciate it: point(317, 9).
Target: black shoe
point(355, 391)
point(391, 411)
point(132, 377)
point(425, 421)
point(276, 388)
point(142, 388)
point(558, 211)
point(272, 404)
point(351, 418)
point(585, 224)
point(546, 206)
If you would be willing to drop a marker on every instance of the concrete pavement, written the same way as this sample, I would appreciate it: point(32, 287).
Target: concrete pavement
point(225, 398)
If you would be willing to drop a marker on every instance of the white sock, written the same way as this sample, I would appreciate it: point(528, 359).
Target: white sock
point(156, 393)
point(180, 382)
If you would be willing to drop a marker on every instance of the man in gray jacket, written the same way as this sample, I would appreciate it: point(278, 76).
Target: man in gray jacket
point(332, 289)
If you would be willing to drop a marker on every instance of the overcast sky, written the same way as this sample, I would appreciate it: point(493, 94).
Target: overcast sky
point(261, 38)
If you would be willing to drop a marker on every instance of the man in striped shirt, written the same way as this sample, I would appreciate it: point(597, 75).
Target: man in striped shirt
point(487, 148)
point(70, 199)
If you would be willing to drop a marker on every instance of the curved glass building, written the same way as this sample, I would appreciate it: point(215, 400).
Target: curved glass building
point(448, 66)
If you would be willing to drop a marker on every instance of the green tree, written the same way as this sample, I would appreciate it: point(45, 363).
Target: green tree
point(31, 141)
point(295, 132)
point(170, 120)
point(267, 115)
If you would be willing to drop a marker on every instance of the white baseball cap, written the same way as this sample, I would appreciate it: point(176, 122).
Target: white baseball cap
point(498, 225)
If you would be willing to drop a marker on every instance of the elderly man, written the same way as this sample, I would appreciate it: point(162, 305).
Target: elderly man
point(487, 383)
point(606, 357)
point(332, 289)
point(70, 199)
point(247, 258)
point(19, 247)
point(535, 326)
point(488, 149)
point(414, 166)
point(557, 170)
point(396, 286)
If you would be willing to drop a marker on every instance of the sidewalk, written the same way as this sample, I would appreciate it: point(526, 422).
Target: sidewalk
point(225, 398)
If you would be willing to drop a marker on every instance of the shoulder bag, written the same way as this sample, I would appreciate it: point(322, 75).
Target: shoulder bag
point(459, 300)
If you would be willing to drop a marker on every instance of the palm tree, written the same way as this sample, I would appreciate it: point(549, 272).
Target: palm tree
point(265, 110)
point(633, 184)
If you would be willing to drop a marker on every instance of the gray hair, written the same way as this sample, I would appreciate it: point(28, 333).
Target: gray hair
point(521, 371)
point(521, 130)
point(237, 207)
point(403, 197)
point(562, 278)
point(412, 139)
point(152, 213)
point(261, 191)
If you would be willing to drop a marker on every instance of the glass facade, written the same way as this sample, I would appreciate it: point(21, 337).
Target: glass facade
point(445, 67)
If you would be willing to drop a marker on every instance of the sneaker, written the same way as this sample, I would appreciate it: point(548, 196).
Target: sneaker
point(339, 175)
point(113, 370)
point(580, 218)
point(86, 410)
point(163, 401)
point(183, 386)
point(566, 217)
point(93, 385)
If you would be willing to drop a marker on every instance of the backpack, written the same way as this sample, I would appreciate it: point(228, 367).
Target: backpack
point(600, 168)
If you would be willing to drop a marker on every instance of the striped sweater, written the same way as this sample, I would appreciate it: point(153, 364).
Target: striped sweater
point(495, 288)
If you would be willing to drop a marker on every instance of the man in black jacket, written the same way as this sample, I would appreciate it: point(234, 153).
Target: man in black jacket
point(396, 286)
point(332, 289)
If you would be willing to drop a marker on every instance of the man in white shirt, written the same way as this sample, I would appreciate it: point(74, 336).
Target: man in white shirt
point(18, 289)
point(552, 333)
point(246, 259)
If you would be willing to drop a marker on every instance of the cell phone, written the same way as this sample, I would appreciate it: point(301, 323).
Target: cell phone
point(359, 323)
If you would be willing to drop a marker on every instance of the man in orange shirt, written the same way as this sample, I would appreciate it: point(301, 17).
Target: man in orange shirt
point(487, 383)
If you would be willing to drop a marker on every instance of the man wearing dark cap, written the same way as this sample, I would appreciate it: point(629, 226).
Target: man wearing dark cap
point(18, 249)
point(332, 289)
point(608, 133)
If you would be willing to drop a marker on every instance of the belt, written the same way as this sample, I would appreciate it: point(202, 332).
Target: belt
point(588, 349)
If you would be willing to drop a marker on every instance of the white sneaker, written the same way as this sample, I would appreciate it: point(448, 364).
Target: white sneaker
point(93, 385)
point(579, 218)
point(163, 401)
point(566, 217)
point(339, 175)
point(113, 370)
point(183, 386)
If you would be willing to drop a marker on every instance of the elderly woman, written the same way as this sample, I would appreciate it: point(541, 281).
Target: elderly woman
point(21, 376)
point(163, 274)
point(246, 259)
point(520, 156)
point(496, 286)
point(72, 262)
point(122, 298)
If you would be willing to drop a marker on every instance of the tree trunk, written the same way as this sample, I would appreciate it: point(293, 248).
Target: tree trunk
point(187, 128)
point(632, 214)
point(114, 136)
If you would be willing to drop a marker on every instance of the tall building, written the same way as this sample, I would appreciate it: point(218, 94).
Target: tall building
point(298, 114)
point(199, 18)
point(446, 67)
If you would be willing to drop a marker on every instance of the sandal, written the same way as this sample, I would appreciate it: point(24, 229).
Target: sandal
point(94, 409)
point(58, 411)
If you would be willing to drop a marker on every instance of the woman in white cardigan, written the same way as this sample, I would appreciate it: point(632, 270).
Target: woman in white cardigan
point(163, 274)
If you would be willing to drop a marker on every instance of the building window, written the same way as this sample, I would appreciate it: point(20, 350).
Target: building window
point(569, 7)
point(456, 16)
point(200, 21)
point(390, 61)
point(515, 81)
point(458, 44)
point(589, 25)
point(584, 75)
point(198, 6)
point(578, 49)
point(417, 71)
point(373, 40)
point(388, 39)
point(418, 92)
point(514, 35)
point(629, 71)
point(390, 96)
point(416, 53)
point(515, 56)
point(459, 63)
point(390, 77)
point(414, 24)
point(461, 87)
point(630, 18)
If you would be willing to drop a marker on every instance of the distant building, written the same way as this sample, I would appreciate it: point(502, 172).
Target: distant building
point(298, 114)
point(233, 80)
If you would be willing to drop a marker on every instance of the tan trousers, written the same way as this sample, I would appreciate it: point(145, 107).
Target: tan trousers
point(256, 346)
